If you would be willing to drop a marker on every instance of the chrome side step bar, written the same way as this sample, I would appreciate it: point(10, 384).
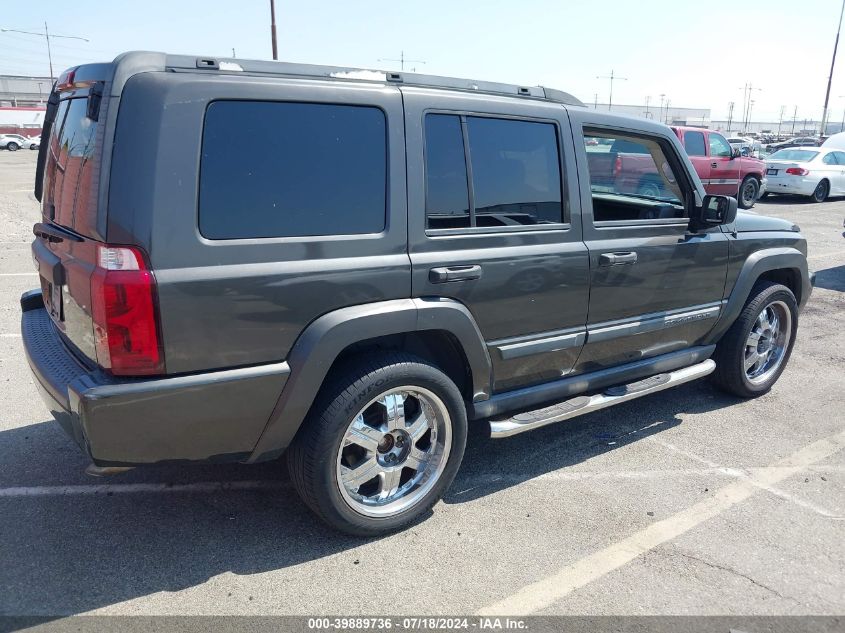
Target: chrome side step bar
point(529, 420)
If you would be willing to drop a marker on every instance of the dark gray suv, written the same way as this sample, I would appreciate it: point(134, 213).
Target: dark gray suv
point(395, 257)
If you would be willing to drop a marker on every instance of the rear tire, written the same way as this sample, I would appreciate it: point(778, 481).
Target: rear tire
point(755, 350)
point(821, 192)
point(12, 147)
point(380, 445)
point(748, 191)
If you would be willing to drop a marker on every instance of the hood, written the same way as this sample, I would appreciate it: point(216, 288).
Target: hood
point(748, 221)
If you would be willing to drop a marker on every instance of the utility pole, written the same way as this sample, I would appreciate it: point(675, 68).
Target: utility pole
point(647, 99)
point(273, 28)
point(747, 91)
point(750, 107)
point(401, 60)
point(830, 77)
point(595, 101)
point(730, 115)
point(233, 52)
point(666, 118)
point(780, 118)
point(611, 77)
point(794, 116)
point(46, 35)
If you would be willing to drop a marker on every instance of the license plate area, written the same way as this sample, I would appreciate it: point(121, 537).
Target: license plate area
point(52, 295)
point(771, 172)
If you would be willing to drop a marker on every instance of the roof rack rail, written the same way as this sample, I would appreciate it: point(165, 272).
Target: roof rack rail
point(287, 69)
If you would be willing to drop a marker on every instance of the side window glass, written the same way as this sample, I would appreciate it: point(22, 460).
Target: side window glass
point(447, 193)
point(631, 179)
point(515, 172)
point(719, 147)
point(840, 158)
point(830, 159)
point(515, 177)
point(694, 143)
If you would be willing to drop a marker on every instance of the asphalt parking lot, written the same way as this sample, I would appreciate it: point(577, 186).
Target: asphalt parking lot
point(685, 502)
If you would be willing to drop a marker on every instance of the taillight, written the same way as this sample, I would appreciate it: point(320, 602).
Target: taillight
point(617, 166)
point(66, 79)
point(124, 309)
point(797, 171)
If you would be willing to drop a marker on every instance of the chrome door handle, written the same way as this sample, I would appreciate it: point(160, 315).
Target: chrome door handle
point(454, 273)
point(617, 259)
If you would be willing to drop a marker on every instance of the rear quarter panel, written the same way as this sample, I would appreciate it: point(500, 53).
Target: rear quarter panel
point(227, 303)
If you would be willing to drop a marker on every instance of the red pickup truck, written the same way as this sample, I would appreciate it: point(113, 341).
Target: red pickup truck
point(720, 171)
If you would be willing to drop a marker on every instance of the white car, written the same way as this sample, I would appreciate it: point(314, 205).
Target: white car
point(15, 142)
point(817, 172)
point(751, 145)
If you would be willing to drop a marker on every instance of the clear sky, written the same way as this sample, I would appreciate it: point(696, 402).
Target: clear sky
point(699, 54)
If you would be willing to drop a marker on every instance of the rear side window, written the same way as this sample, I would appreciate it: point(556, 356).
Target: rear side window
point(694, 143)
point(514, 180)
point(273, 169)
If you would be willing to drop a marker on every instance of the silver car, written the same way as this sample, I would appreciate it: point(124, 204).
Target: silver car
point(14, 142)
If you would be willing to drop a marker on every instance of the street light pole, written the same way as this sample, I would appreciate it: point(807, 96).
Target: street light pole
point(273, 28)
point(830, 77)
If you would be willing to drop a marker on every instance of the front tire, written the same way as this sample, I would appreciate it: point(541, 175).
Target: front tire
point(381, 444)
point(755, 350)
point(821, 192)
point(748, 191)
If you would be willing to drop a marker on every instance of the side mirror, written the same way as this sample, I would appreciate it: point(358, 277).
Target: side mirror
point(715, 210)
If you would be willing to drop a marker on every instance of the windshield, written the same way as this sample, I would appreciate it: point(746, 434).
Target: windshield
point(800, 155)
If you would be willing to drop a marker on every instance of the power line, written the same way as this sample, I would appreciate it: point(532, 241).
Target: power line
point(46, 35)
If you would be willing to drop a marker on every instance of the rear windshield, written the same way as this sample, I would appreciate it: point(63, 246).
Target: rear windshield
point(801, 155)
point(69, 197)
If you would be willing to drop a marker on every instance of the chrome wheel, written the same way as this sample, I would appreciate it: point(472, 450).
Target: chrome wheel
point(766, 345)
point(394, 451)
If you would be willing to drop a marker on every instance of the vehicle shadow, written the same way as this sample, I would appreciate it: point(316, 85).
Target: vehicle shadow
point(494, 465)
point(65, 554)
point(831, 278)
point(790, 199)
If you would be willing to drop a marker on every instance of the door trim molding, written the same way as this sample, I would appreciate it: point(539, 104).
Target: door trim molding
point(519, 346)
point(651, 322)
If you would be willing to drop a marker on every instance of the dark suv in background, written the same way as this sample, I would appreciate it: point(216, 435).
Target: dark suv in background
point(401, 255)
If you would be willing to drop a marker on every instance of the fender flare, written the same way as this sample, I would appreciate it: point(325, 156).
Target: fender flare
point(325, 338)
point(755, 265)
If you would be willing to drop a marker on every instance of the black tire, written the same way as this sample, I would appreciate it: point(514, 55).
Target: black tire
point(12, 147)
point(313, 455)
point(821, 192)
point(748, 192)
point(730, 374)
point(651, 187)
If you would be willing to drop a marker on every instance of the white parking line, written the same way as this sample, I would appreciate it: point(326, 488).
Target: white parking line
point(102, 489)
point(747, 474)
point(546, 592)
point(18, 274)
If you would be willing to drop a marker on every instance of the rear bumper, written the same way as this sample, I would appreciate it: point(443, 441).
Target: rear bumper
point(212, 416)
point(793, 184)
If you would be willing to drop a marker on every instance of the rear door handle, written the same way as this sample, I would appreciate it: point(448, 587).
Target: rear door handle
point(714, 165)
point(454, 273)
point(616, 259)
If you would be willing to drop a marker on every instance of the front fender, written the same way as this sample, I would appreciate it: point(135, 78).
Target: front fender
point(325, 338)
point(758, 263)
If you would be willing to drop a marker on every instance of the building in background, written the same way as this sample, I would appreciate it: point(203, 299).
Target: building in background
point(693, 117)
point(23, 104)
point(16, 91)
